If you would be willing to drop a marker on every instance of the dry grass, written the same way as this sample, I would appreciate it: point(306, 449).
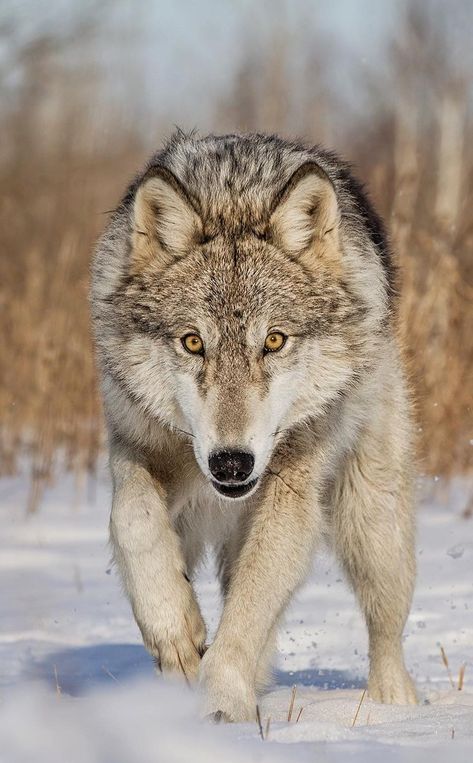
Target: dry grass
point(447, 666)
point(461, 671)
point(48, 399)
point(461, 677)
point(53, 196)
point(291, 703)
point(267, 727)
point(363, 695)
point(60, 171)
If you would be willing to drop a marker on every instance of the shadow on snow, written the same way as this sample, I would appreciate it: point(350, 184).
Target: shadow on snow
point(81, 669)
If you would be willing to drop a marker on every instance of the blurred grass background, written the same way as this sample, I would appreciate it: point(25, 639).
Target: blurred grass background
point(88, 91)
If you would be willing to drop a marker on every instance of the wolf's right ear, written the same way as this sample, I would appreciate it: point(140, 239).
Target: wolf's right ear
point(165, 221)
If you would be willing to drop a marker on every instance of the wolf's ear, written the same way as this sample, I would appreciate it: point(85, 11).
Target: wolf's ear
point(305, 211)
point(165, 223)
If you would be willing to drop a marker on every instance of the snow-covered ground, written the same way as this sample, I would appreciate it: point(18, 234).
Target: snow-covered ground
point(77, 685)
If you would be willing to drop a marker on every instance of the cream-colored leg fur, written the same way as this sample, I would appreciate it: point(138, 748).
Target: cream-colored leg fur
point(279, 537)
point(227, 559)
point(264, 670)
point(148, 553)
point(374, 538)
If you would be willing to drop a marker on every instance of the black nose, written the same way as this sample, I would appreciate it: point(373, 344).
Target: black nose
point(231, 465)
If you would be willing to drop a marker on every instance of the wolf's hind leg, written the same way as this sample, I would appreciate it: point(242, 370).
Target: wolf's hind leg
point(148, 553)
point(374, 538)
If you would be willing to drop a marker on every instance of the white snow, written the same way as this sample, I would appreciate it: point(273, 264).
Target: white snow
point(77, 685)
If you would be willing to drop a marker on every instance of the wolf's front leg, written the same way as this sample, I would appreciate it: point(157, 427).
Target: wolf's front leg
point(279, 535)
point(374, 537)
point(148, 554)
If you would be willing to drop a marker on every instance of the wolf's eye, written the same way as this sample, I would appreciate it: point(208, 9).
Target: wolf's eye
point(193, 344)
point(274, 342)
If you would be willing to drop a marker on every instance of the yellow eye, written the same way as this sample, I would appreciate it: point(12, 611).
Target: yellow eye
point(274, 342)
point(193, 344)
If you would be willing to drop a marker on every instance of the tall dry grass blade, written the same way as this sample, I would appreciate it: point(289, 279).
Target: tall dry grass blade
point(291, 703)
point(447, 667)
point(268, 724)
point(461, 676)
point(359, 707)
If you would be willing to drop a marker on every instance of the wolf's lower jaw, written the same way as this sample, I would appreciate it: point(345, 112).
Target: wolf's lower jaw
point(234, 490)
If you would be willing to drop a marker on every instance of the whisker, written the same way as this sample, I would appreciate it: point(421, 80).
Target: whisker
point(183, 431)
point(281, 431)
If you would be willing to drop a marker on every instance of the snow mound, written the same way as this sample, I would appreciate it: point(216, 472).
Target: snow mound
point(77, 686)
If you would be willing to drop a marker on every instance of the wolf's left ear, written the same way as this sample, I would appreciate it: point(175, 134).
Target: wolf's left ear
point(305, 211)
point(166, 223)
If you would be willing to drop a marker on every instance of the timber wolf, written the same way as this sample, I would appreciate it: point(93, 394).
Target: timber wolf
point(244, 302)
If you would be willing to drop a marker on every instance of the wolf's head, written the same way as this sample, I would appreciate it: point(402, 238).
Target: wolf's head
point(243, 307)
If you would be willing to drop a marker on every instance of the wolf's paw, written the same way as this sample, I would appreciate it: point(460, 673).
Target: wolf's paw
point(392, 686)
point(177, 639)
point(228, 696)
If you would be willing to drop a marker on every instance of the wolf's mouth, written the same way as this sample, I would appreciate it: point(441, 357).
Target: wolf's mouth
point(235, 490)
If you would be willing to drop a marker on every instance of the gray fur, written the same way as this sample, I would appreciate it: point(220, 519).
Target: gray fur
point(231, 238)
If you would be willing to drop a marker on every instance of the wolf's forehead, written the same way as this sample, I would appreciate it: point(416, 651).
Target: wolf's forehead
point(234, 180)
point(248, 298)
